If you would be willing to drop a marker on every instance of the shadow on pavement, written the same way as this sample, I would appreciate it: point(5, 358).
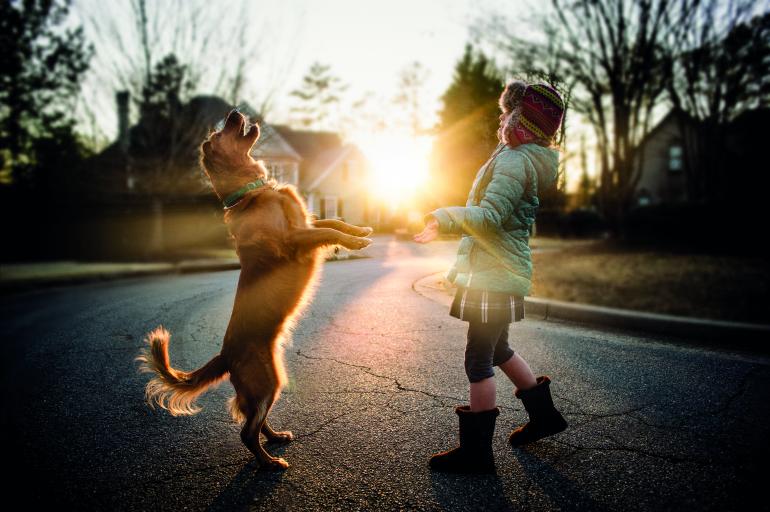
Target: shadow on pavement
point(469, 492)
point(563, 492)
point(249, 484)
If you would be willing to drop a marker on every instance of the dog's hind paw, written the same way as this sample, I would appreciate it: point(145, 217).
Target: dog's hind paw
point(279, 437)
point(275, 464)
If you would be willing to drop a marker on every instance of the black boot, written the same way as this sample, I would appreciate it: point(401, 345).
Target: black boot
point(544, 419)
point(474, 455)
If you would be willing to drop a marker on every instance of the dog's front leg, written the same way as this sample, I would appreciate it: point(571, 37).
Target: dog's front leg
point(339, 225)
point(307, 239)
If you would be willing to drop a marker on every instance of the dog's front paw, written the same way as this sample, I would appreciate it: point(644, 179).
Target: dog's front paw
point(365, 231)
point(355, 243)
point(275, 464)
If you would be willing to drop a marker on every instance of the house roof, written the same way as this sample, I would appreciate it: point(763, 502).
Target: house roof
point(210, 111)
point(197, 116)
point(271, 144)
point(672, 116)
point(324, 164)
point(320, 152)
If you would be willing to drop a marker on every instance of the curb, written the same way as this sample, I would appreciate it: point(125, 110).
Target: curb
point(155, 269)
point(184, 267)
point(687, 328)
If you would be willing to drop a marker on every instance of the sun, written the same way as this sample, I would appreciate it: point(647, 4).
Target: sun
point(399, 166)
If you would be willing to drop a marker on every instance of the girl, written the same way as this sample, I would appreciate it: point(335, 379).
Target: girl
point(493, 271)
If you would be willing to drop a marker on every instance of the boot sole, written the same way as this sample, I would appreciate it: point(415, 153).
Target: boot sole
point(512, 442)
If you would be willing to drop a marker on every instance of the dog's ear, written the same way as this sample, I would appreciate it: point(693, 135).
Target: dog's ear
point(253, 134)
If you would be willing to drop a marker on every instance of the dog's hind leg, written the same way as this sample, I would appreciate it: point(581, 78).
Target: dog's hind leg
point(255, 421)
point(275, 436)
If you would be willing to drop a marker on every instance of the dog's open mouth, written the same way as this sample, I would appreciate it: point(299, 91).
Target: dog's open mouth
point(235, 121)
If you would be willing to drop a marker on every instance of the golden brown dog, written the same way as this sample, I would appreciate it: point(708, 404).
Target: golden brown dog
point(278, 246)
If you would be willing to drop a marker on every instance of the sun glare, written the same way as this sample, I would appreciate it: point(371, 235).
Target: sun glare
point(399, 166)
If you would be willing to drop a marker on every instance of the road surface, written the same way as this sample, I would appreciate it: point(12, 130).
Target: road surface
point(375, 371)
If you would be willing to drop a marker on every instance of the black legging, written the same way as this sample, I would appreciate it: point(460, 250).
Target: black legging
point(487, 347)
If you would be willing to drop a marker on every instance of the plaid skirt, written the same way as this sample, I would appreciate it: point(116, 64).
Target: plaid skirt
point(486, 307)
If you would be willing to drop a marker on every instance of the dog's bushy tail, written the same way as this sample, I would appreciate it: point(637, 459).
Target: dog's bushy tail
point(175, 390)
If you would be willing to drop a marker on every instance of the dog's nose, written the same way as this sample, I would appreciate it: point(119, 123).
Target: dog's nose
point(234, 118)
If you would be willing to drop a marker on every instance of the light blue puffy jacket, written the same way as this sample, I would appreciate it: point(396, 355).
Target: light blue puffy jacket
point(496, 220)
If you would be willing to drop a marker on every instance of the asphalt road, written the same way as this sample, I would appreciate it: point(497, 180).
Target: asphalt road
point(375, 371)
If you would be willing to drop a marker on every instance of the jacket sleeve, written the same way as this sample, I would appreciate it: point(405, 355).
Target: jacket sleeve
point(501, 197)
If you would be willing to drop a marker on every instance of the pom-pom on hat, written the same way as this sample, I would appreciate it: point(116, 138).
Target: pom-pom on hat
point(542, 110)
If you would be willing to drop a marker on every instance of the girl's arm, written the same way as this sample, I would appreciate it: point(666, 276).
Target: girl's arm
point(501, 197)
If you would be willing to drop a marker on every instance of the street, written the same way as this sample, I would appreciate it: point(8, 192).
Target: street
point(375, 370)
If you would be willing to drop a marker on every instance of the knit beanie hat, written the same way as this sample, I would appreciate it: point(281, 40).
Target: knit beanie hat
point(540, 111)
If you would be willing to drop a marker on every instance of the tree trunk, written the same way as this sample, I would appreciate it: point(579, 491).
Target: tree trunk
point(156, 246)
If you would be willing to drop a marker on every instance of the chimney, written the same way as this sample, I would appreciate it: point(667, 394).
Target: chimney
point(122, 98)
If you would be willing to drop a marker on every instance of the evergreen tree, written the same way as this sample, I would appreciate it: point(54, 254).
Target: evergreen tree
point(319, 93)
point(467, 131)
point(41, 67)
point(163, 146)
point(164, 141)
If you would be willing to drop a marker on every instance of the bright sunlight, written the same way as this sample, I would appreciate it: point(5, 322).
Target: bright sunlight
point(399, 166)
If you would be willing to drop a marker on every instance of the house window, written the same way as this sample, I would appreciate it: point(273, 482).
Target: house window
point(329, 207)
point(675, 155)
point(276, 171)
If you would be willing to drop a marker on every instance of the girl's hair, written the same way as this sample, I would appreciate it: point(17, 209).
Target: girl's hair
point(510, 103)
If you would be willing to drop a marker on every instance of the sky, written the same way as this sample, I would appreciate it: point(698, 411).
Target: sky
point(367, 43)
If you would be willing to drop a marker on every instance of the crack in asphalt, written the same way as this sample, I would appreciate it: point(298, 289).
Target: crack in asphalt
point(344, 330)
point(325, 424)
point(576, 449)
point(722, 409)
point(368, 370)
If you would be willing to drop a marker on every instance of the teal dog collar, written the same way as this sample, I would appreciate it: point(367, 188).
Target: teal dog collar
point(236, 196)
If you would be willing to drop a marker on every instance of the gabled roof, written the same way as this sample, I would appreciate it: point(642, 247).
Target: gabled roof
point(323, 165)
point(309, 143)
point(321, 152)
point(272, 145)
point(673, 116)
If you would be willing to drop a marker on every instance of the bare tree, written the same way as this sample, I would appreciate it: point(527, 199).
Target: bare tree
point(411, 85)
point(221, 49)
point(618, 56)
point(721, 71)
point(164, 53)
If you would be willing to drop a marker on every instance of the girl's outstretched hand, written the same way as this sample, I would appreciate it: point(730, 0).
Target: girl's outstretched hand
point(428, 234)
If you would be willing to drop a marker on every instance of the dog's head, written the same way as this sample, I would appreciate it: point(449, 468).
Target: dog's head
point(226, 155)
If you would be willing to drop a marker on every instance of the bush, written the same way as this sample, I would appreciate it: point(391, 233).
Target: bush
point(584, 223)
point(578, 223)
point(714, 228)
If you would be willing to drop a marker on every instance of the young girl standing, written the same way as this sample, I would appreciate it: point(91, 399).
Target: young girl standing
point(493, 272)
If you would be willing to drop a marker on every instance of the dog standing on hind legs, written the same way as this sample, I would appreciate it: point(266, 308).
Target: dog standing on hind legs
point(279, 249)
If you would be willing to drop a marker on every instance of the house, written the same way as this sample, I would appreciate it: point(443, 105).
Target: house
point(672, 147)
point(334, 177)
point(150, 182)
point(661, 156)
point(158, 157)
